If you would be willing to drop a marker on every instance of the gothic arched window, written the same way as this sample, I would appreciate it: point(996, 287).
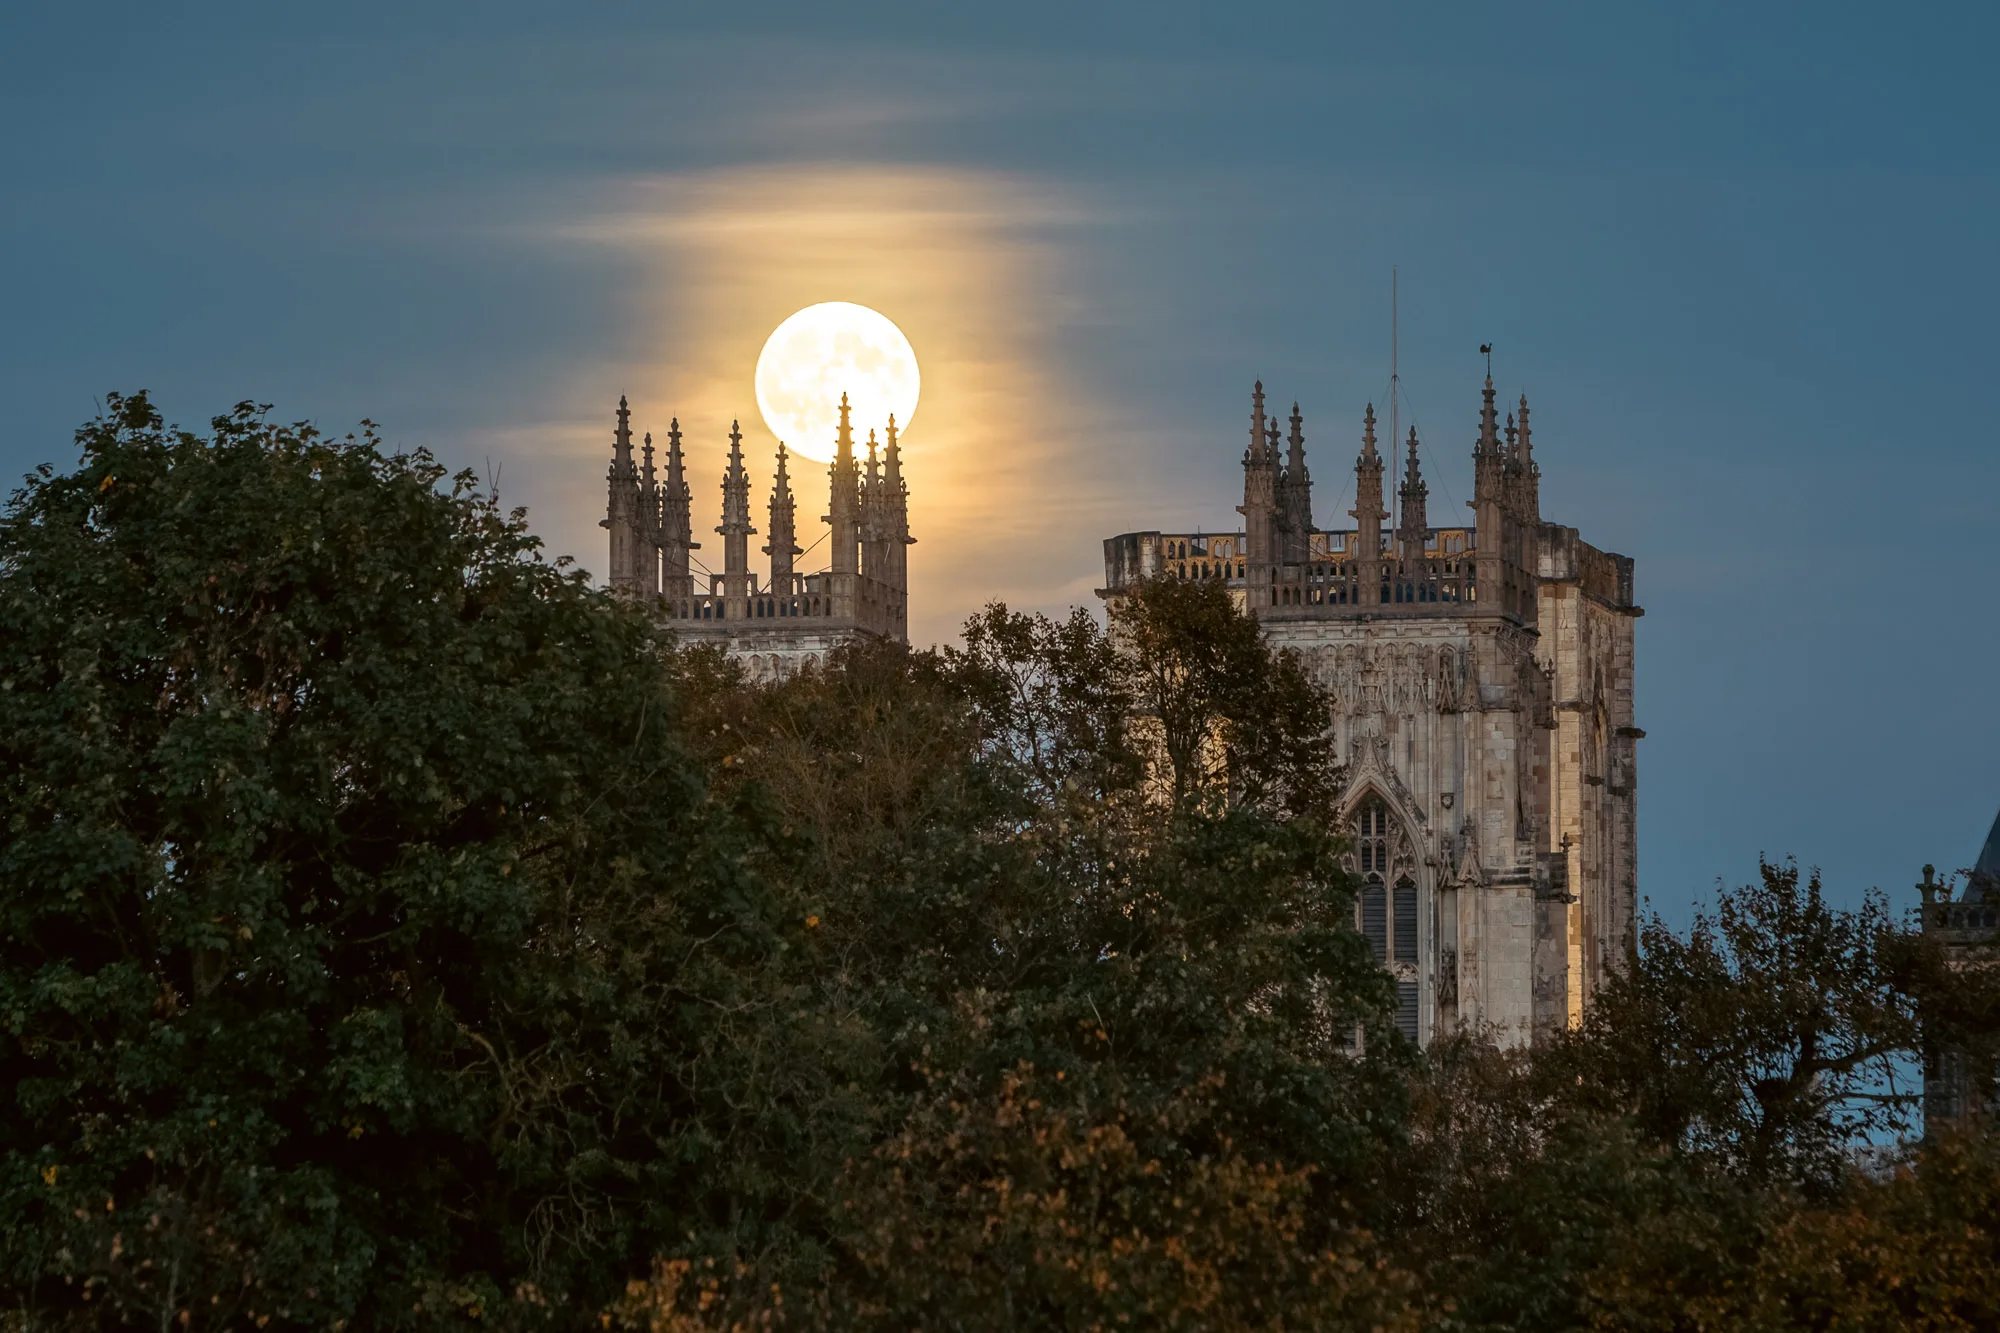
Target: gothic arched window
point(1387, 910)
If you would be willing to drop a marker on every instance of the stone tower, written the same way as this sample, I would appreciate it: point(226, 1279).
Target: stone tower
point(1482, 682)
point(794, 619)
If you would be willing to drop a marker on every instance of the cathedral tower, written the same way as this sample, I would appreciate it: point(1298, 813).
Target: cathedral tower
point(796, 619)
point(1480, 683)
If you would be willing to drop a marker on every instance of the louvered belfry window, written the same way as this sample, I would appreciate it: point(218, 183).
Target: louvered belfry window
point(1374, 917)
point(1406, 920)
point(1371, 844)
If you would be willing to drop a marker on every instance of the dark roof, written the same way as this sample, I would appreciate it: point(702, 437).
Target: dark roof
point(1986, 872)
point(1989, 861)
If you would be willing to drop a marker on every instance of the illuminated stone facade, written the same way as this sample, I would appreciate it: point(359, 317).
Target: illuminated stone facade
point(789, 620)
point(1482, 686)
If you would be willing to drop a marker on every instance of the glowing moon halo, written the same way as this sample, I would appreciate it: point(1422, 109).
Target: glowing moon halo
point(826, 350)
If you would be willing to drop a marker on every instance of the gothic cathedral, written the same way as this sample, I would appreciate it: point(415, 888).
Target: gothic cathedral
point(1481, 678)
point(1482, 685)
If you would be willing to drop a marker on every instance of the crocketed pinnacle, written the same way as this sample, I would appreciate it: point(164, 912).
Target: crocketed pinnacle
point(1489, 435)
point(1258, 443)
point(1414, 492)
point(735, 488)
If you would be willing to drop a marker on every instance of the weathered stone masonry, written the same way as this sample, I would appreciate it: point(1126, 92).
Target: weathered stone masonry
point(1482, 679)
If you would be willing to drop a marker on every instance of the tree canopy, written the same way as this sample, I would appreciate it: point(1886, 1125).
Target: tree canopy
point(397, 932)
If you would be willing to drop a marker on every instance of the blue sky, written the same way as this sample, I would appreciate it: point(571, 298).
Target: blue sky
point(1741, 257)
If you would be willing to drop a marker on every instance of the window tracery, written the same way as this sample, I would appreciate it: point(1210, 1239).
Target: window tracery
point(1386, 912)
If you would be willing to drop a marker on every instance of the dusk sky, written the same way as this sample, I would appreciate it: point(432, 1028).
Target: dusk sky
point(1742, 260)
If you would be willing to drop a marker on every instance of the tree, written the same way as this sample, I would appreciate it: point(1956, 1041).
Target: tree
point(352, 887)
point(1234, 720)
point(1706, 1150)
point(1115, 1076)
point(1772, 1036)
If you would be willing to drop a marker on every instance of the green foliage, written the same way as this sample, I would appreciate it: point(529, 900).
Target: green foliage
point(1232, 719)
point(1697, 1155)
point(397, 933)
point(330, 811)
point(1052, 977)
point(1767, 1039)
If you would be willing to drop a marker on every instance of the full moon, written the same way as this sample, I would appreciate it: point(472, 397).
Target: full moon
point(820, 353)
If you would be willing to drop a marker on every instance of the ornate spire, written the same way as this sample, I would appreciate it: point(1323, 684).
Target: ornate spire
point(621, 441)
point(1531, 471)
point(1489, 472)
point(1295, 496)
point(843, 518)
point(898, 490)
point(1258, 443)
point(737, 583)
point(676, 519)
point(678, 498)
point(873, 555)
point(783, 544)
point(892, 462)
point(646, 524)
point(896, 526)
point(1368, 514)
point(735, 488)
point(1416, 521)
point(1263, 519)
point(621, 508)
point(1502, 557)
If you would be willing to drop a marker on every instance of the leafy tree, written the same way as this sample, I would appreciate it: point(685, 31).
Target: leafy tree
point(1112, 1029)
point(1772, 1036)
point(352, 883)
point(1703, 1152)
point(1232, 719)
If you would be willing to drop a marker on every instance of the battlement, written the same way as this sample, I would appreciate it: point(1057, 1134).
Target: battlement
point(787, 618)
point(879, 612)
point(1281, 566)
point(1330, 578)
point(1443, 577)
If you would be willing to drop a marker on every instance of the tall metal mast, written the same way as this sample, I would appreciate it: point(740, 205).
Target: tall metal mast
point(1395, 388)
